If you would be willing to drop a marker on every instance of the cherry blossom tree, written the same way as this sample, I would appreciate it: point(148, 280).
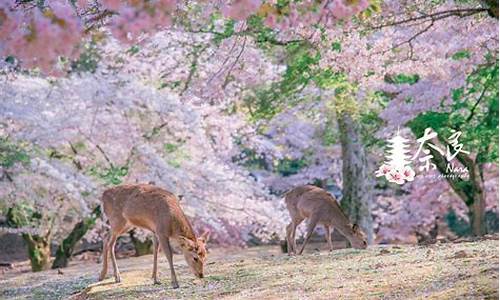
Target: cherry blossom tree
point(232, 103)
point(41, 33)
point(175, 154)
point(41, 196)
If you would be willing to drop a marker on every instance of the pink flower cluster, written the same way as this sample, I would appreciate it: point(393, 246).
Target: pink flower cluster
point(39, 39)
point(139, 17)
point(341, 9)
point(241, 9)
point(308, 13)
point(396, 175)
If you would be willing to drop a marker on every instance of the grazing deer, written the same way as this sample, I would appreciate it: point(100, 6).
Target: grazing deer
point(317, 205)
point(154, 209)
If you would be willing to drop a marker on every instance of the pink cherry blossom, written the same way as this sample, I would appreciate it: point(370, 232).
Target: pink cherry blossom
point(241, 9)
point(46, 37)
point(408, 174)
point(130, 95)
point(270, 21)
point(23, 28)
point(383, 170)
point(82, 4)
point(112, 4)
point(9, 20)
point(395, 176)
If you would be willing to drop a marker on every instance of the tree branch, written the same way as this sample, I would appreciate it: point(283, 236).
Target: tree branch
point(456, 183)
point(96, 19)
point(194, 64)
point(251, 34)
point(226, 80)
point(460, 12)
point(483, 92)
point(104, 155)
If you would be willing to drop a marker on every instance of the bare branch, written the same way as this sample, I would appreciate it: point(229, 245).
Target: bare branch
point(460, 12)
point(226, 80)
point(481, 96)
point(194, 64)
point(104, 155)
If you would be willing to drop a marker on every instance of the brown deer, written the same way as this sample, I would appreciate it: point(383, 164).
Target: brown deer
point(157, 210)
point(317, 205)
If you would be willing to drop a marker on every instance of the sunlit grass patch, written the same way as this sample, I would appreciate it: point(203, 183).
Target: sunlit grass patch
point(441, 271)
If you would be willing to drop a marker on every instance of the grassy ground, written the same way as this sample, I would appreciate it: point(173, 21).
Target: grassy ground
point(442, 271)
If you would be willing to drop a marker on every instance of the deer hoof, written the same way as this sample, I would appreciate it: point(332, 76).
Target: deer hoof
point(175, 285)
point(118, 280)
point(156, 281)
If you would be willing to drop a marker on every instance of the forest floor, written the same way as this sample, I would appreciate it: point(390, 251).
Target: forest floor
point(439, 271)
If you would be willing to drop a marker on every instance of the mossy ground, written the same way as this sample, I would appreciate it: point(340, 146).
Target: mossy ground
point(440, 271)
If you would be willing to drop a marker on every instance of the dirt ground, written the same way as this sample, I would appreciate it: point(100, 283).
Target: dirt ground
point(467, 270)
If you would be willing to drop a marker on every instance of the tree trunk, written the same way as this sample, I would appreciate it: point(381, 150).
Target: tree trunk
point(474, 197)
point(477, 216)
point(478, 208)
point(67, 246)
point(357, 187)
point(141, 248)
point(470, 190)
point(38, 245)
point(492, 6)
point(38, 252)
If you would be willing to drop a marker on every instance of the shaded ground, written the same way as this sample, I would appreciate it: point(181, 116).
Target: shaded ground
point(441, 271)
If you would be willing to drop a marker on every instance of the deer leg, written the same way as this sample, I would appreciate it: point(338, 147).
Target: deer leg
point(294, 230)
point(165, 245)
point(118, 227)
point(310, 229)
point(112, 250)
point(289, 238)
point(111, 245)
point(329, 237)
point(156, 247)
point(105, 253)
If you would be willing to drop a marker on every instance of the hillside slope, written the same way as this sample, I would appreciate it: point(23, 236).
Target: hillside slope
point(441, 271)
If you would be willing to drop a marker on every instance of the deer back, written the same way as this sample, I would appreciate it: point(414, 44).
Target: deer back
point(146, 206)
point(311, 201)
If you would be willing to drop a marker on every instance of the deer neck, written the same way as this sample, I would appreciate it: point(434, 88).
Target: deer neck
point(341, 222)
point(184, 228)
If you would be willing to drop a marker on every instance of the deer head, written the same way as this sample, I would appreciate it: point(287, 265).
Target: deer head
point(195, 252)
point(357, 237)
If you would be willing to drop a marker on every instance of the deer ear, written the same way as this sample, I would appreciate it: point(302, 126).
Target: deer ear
point(205, 236)
point(355, 227)
point(186, 243)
